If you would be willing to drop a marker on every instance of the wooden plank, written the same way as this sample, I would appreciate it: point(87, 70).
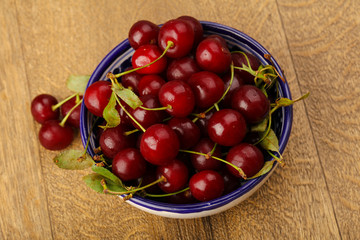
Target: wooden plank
point(23, 208)
point(324, 45)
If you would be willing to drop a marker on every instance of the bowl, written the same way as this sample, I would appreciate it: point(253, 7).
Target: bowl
point(118, 59)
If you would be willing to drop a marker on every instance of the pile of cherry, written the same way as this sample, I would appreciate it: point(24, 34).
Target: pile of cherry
point(175, 125)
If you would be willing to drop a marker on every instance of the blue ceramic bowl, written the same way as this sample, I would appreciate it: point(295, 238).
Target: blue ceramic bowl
point(120, 58)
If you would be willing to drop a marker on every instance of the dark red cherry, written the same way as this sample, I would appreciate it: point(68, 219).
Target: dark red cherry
point(181, 69)
point(187, 131)
point(97, 97)
point(181, 33)
point(124, 118)
point(179, 96)
point(74, 117)
point(236, 84)
point(149, 177)
point(251, 102)
point(247, 157)
point(207, 87)
point(227, 127)
point(176, 174)
point(131, 80)
point(159, 144)
point(196, 25)
point(146, 54)
point(150, 85)
point(206, 185)
point(143, 32)
point(202, 122)
point(41, 108)
point(128, 164)
point(113, 140)
point(55, 137)
point(182, 198)
point(201, 162)
point(219, 38)
point(230, 181)
point(239, 59)
point(212, 55)
point(146, 118)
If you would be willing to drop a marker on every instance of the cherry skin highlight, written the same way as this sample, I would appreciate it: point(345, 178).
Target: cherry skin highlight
point(97, 97)
point(146, 54)
point(143, 32)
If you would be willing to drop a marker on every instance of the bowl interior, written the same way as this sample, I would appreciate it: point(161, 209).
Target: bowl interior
point(120, 58)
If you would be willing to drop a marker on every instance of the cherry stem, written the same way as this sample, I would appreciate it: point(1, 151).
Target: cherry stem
point(213, 149)
point(88, 139)
point(242, 174)
point(106, 189)
point(170, 44)
point(156, 109)
point(131, 132)
point(56, 106)
point(130, 116)
point(166, 194)
point(62, 123)
point(279, 160)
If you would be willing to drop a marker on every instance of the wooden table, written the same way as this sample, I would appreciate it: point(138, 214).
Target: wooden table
point(317, 194)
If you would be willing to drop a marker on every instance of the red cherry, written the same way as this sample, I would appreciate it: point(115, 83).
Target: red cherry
point(74, 118)
point(146, 54)
point(187, 131)
point(182, 198)
point(196, 25)
point(251, 102)
point(146, 118)
point(55, 137)
point(150, 85)
point(236, 84)
point(131, 80)
point(176, 175)
point(97, 97)
point(41, 108)
point(247, 157)
point(212, 55)
point(202, 123)
point(206, 185)
point(143, 32)
point(181, 69)
point(179, 96)
point(159, 144)
point(201, 162)
point(227, 127)
point(181, 33)
point(238, 61)
point(207, 87)
point(128, 164)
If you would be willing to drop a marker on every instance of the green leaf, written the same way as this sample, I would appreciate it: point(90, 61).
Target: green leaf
point(73, 160)
point(270, 142)
point(128, 96)
point(93, 181)
point(110, 114)
point(260, 127)
point(265, 169)
point(107, 174)
point(77, 83)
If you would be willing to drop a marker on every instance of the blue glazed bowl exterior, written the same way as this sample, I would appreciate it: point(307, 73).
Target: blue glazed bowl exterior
point(119, 59)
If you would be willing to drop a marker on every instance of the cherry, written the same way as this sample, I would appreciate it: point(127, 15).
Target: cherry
point(201, 162)
point(182, 198)
point(219, 38)
point(187, 132)
point(159, 145)
point(202, 122)
point(146, 118)
point(230, 181)
point(181, 69)
point(176, 175)
point(150, 85)
point(212, 55)
point(128, 164)
point(206, 185)
point(251, 102)
point(41, 108)
point(197, 27)
point(208, 88)
point(227, 127)
point(131, 80)
point(143, 32)
point(236, 84)
point(179, 96)
point(55, 137)
point(124, 118)
point(147, 178)
point(112, 140)
point(97, 97)
point(74, 117)
point(247, 157)
point(238, 61)
point(145, 55)
point(180, 33)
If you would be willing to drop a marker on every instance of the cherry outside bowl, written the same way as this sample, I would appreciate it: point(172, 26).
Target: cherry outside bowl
point(118, 59)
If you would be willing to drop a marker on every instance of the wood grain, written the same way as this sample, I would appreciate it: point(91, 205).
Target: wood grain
point(315, 196)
